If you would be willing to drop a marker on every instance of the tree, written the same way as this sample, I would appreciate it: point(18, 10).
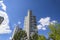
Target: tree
point(54, 33)
point(21, 35)
point(34, 36)
point(41, 37)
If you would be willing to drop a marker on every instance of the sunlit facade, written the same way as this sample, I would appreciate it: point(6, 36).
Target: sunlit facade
point(16, 30)
point(30, 25)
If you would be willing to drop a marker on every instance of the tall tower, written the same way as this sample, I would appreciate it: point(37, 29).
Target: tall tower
point(30, 24)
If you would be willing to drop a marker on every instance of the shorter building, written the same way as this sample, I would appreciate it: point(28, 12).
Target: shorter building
point(16, 29)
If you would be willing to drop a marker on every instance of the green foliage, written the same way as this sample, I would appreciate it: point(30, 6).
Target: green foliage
point(19, 35)
point(34, 37)
point(22, 34)
point(37, 37)
point(41, 37)
point(54, 32)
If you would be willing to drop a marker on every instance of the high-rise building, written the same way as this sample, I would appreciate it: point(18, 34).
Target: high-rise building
point(30, 25)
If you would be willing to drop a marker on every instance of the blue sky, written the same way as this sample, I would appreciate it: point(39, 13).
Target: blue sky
point(17, 10)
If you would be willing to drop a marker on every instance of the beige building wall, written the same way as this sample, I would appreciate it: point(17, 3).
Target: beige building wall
point(30, 24)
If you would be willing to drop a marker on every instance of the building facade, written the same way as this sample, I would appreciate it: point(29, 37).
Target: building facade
point(30, 25)
point(16, 30)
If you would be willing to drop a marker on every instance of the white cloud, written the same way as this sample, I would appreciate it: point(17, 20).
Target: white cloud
point(10, 38)
point(53, 22)
point(39, 26)
point(19, 22)
point(45, 22)
point(3, 5)
point(4, 26)
point(43, 28)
